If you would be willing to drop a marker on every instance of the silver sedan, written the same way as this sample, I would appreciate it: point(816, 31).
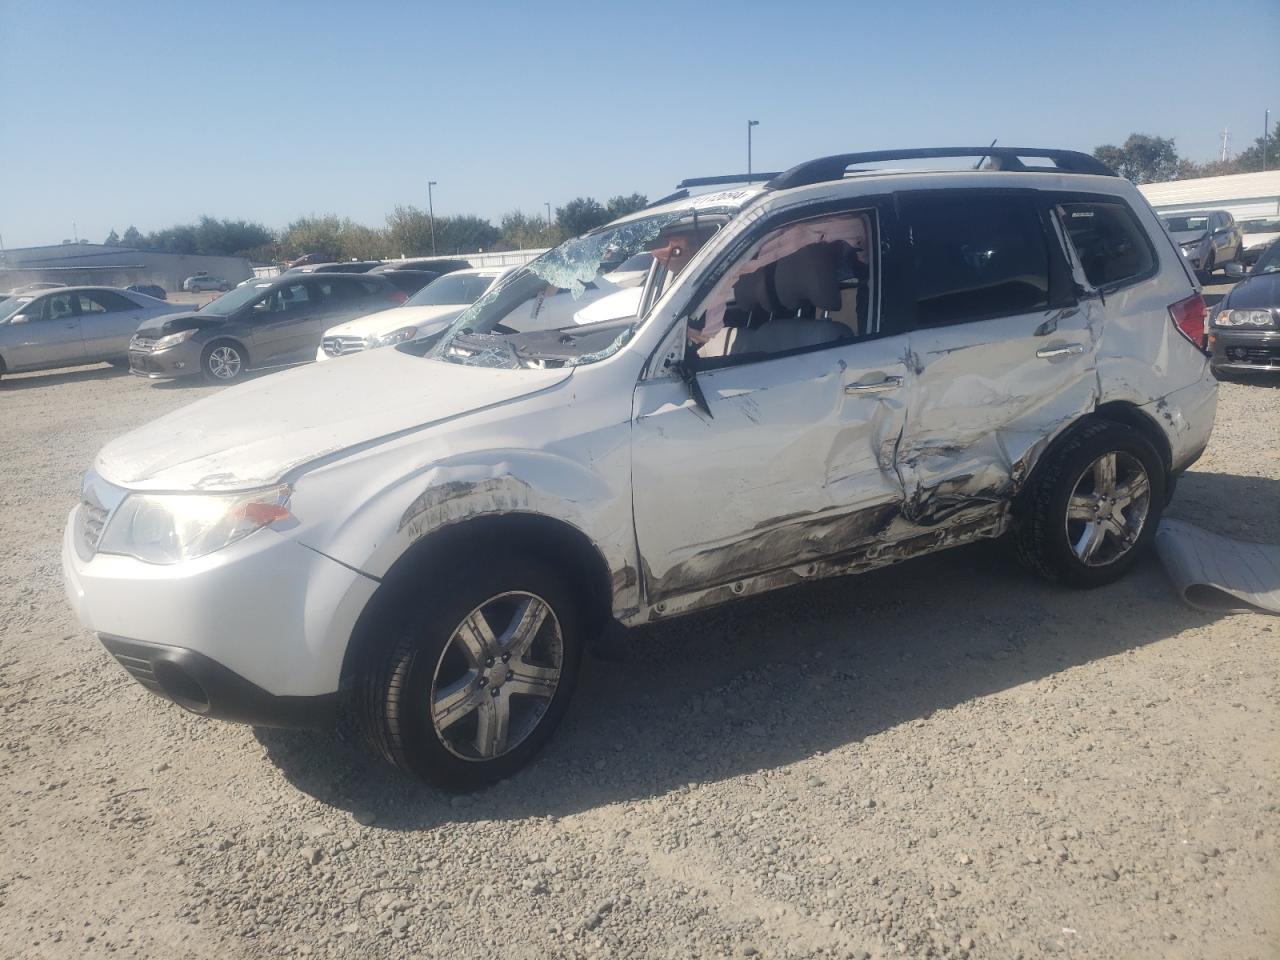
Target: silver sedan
point(73, 325)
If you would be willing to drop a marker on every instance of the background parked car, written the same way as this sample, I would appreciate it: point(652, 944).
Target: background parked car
point(1258, 235)
point(71, 326)
point(428, 311)
point(265, 324)
point(1209, 239)
point(337, 266)
point(410, 281)
point(202, 281)
point(423, 263)
point(148, 289)
point(1244, 329)
point(309, 258)
point(33, 287)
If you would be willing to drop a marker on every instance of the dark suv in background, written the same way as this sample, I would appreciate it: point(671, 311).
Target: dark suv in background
point(267, 323)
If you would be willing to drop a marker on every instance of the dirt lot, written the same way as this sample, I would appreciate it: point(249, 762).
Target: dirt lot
point(947, 759)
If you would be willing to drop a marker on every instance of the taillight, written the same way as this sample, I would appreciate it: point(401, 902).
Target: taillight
point(1189, 317)
point(397, 296)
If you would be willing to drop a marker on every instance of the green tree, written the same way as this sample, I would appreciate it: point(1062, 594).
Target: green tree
point(1249, 160)
point(322, 235)
point(132, 237)
point(1190, 170)
point(580, 215)
point(113, 239)
point(464, 234)
point(520, 231)
point(621, 206)
point(409, 232)
point(1142, 158)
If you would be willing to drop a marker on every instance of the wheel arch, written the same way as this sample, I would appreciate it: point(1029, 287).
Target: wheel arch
point(1131, 415)
point(555, 540)
point(1114, 411)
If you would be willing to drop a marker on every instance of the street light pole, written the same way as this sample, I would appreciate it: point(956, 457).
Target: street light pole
point(1266, 131)
point(547, 204)
point(431, 215)
point(750, 124)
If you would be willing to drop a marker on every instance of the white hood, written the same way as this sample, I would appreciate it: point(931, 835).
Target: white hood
point(253, 434)
point(426, 319)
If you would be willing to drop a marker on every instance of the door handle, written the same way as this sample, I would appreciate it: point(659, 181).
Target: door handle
point(888, 383)
point(1053, 353)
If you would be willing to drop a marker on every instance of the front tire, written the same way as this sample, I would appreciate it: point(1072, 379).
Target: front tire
point(473, 677)
point(223, 362)
point(1092, 508)
point(1206, 273)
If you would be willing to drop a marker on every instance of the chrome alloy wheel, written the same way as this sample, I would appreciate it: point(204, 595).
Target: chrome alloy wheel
point(1107, 508)
point(496, 676)
point(224, 363)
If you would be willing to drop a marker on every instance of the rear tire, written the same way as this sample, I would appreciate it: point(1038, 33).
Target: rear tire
point(1092, 507)
point(223, 361)
point(440, 682)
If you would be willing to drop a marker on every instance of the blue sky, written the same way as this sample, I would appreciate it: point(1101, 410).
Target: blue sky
point(122, 112)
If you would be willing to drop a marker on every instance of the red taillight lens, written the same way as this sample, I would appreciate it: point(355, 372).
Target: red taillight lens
point(1188, 316)
point(397, 296)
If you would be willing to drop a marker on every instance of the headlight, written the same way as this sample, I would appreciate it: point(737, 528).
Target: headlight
point(392, 338)
point(173, 339)
point(171, 527)
point(1243, 318)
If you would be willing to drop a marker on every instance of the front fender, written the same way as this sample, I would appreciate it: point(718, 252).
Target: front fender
point(596, 501)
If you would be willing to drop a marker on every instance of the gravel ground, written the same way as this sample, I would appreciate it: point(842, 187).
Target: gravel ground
point(946, 759)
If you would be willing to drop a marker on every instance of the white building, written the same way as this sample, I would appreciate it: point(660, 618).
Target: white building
point(1246, 196)
point(95, 263)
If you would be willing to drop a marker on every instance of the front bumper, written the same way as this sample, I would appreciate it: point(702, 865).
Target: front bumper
point(1245, 350)
point(180, 361)
point(255, 632)
point(202, 685)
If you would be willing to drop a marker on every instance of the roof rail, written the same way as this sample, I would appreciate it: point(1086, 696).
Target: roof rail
point(727, 178)
point(1010, 158)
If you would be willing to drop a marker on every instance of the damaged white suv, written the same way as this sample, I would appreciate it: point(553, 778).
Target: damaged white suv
point(837, 370)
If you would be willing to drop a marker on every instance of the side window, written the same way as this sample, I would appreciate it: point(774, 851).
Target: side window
point(802, 286)
point(104, 301)
point(89, 305)
point(60, 305)
point(1110, 244)
point(286, 299)
point(975, 256)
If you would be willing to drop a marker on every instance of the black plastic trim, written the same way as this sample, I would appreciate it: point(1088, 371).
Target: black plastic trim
point(834, 168)
point(201, 685)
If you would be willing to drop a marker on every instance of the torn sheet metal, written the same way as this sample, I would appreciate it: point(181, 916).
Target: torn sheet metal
point(1219, 574)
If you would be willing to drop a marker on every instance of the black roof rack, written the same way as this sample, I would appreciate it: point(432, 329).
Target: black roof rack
point(727, 178)
point(834, 168)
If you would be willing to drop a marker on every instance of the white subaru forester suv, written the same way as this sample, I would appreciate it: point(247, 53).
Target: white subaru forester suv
point(834, 371)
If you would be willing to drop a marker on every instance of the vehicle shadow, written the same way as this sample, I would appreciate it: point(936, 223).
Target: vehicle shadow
point(39, 379)
point(779, 678)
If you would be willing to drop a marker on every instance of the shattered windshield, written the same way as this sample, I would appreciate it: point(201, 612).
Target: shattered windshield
point(562, 309)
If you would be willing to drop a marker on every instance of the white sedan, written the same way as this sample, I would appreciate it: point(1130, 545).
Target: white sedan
point(428, 311)
point(68, 326)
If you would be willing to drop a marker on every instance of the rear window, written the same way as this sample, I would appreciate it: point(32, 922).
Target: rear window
point(1112, 247)
point(976, 256)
